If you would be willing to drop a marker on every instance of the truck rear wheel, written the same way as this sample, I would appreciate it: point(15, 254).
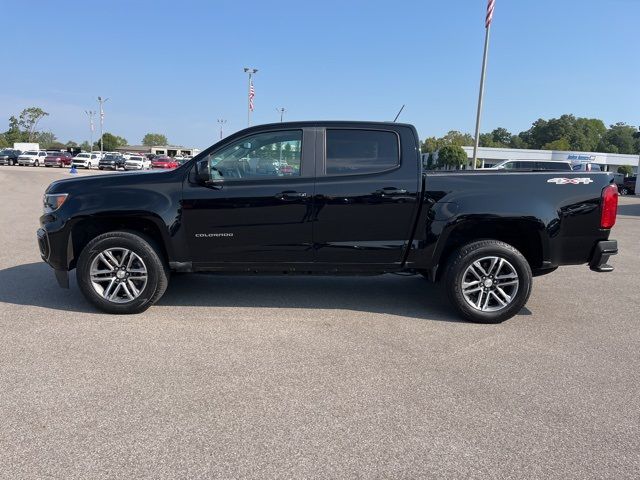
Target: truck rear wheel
point(488, 281)
point(122, 272)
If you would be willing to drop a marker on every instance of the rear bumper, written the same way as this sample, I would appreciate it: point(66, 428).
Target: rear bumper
point(603, 250)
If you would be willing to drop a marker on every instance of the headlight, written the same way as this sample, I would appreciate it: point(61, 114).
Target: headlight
point(53, 202)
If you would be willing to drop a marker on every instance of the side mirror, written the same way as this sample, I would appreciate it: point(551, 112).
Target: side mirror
point(204, 177)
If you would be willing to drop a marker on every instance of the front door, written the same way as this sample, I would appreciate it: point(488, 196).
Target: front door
point(259, 211)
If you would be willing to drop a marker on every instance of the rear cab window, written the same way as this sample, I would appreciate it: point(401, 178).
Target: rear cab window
point(357, 152)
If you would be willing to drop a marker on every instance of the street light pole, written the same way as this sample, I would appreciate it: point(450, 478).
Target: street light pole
point(90, 114)
point(281, 110)
point(101, 101)
point(250, 92)
point(221, 122)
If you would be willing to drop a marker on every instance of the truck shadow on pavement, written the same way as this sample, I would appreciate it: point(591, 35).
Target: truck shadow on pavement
point(34, 284)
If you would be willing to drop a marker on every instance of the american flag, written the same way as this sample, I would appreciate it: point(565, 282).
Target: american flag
point(252, 93)
point(490, 7)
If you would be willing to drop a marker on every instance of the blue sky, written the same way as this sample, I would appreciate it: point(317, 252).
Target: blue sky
point(176, 67)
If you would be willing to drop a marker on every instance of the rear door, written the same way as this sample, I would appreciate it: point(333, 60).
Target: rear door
point(366, 189)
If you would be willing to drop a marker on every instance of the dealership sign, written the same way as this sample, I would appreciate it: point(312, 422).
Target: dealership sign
point(581, 158)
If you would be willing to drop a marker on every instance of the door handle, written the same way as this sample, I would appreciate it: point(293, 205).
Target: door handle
point(391, 191)
point(290, 195)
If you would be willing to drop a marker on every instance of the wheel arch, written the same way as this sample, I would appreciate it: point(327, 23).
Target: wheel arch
point(526, 235)
point(88, 228)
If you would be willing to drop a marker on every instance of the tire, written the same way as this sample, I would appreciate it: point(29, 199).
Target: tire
point(624, 191)
point(146, 251)
point(511, 270)
point(36, 163)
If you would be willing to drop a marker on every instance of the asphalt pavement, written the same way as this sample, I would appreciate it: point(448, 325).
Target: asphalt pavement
point(313, 377)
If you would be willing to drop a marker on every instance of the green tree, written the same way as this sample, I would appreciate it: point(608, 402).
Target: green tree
point(431, 144)
point(626, 170)
point(85, 147)
point(559, 144)
point(14, 134)
point(486, 140)
point(154, 139)
point(517, 142)
point(71, 144)
point(110, 142)
point(501, 136)
point(620, 138)
point(582, 134)
point(3, 141)
point(452, 156)
point(28, 120)
point(45, 139)
point(454, 137)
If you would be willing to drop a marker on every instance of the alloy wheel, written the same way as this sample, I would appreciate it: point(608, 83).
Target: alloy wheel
point(118, 275)
point(490, 284)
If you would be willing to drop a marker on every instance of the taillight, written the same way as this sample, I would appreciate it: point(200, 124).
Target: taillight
point(609, 206)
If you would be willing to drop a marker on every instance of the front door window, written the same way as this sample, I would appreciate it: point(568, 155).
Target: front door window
point(266, 155)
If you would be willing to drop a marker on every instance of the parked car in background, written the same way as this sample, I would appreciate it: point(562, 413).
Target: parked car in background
point(137, 162)
point(32, 158)
point(111, 161)
point(164, 162)
point(9, 156)
point(585, 167)
point(628, 186)
point(532, 165)
point(86, 160)
point(57, 159)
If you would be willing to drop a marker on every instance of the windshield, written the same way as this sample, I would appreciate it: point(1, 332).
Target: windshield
point(5, 152)
point(31, 152)
point(137, 159)
point(82, 155)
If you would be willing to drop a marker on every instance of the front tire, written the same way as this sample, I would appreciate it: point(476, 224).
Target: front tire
point(624, 191)
point(122, 272)
point(488, 281)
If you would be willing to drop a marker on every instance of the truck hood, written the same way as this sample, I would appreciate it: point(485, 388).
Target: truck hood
point(123, 179)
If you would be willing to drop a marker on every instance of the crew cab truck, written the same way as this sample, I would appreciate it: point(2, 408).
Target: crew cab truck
point(336, 198)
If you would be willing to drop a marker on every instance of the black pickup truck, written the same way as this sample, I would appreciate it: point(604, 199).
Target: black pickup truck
point(326, 198)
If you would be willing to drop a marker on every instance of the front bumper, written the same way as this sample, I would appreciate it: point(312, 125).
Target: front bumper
point(44, 245)
point(603, 250)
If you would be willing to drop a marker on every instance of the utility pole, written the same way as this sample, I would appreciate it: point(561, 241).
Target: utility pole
point(281, 111)
point(487, 25)
point(90, 114)
point(252, 93)
point(101, 102)
point(221, 122)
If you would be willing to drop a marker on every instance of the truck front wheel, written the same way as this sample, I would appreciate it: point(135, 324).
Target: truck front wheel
point(122, 272)
point(488, 281)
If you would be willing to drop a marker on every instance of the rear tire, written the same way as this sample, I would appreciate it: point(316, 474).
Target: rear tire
point(488, 281)
point(624, 191)
point(123, 299)
point(36, 163)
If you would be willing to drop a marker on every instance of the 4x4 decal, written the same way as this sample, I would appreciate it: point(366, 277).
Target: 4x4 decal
point(573, 181)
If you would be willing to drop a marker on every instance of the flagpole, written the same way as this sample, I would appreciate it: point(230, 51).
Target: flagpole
point(476, 143)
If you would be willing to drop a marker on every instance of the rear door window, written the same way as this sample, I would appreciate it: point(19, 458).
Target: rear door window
point(351, 152)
